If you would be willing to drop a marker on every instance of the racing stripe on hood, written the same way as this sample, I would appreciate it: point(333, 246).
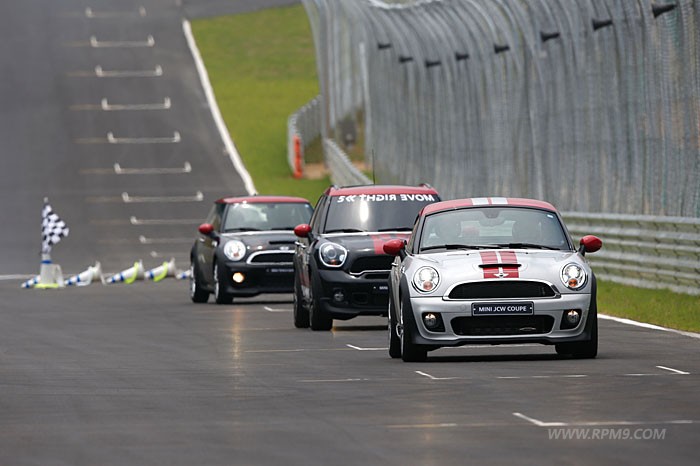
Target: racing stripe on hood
point(497, 259)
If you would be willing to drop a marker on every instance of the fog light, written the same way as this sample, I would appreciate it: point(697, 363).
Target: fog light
point(238, 277)
point(571, 319)
point(338, 296)
point(433, 322)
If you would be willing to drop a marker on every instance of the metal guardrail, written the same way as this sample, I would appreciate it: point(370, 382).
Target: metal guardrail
point(343, 172)
point(644, 251)
point(305, 123)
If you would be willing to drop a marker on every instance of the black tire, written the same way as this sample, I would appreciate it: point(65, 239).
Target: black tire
point(394, 338)
point(583, 349)
point(410, 352)
point(220, 296)
point(318, 320)
point(197, 293)
point(301, 314)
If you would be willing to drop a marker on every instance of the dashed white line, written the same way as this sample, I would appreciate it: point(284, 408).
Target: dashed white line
point(92, 14)
point(198, 197)
point(358, 348)
point(433, 377)
point(165, 140)
point(163, 221)
point(649, 326)
point(145, 240)
point(675, 371)
point(333, 380)
point(107, 107)
point(269, 309)
point(118, 170)
point(539, 423)
point(149, 42)
point(567, 376)
point(155, 73)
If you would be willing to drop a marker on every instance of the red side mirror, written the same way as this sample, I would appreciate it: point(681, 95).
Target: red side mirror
point(394, 247)
point(591, 243)
point(206, 229)
point(302, 231)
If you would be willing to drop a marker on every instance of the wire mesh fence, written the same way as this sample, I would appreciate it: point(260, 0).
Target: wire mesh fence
point(593, 105)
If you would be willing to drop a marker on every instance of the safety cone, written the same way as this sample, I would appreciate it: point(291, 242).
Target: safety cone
point(129, 275)
point(183, 275)
point(50, 274)
point(86, 277)
point(31, 282)
point(167, 269)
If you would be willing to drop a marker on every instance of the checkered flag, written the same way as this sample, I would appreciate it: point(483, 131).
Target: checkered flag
point(52, 228)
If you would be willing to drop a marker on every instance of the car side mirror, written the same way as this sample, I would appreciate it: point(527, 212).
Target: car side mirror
point(395, 247)
point(590, 243)
point(207, 229)
point(303, 230)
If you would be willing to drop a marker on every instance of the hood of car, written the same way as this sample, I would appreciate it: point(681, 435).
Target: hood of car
point(259, 240)
point(364, 243)
point(499, 264)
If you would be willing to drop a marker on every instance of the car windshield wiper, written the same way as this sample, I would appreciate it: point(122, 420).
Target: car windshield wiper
point(229, 230)
point(396, 229)
point(525, 246)
point(345, 230)
point(457, 246)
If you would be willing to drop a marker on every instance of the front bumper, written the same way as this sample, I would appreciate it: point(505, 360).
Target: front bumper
point(366, 294)
point(461, 327)
point(259, 278)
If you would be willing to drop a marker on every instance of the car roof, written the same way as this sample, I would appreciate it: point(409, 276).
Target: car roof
point(261, 199)
point(484, 202)
point(380, 189)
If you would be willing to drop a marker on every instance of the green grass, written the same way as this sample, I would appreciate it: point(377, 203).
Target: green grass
point(262, 68)
point(660, 307)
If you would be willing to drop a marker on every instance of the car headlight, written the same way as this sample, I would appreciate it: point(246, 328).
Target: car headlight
point(573, 276)
point(234, 250)
point(426, 279)
point(333, 255)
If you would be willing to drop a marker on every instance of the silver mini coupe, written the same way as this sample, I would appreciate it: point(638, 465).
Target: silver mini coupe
point(491, 271)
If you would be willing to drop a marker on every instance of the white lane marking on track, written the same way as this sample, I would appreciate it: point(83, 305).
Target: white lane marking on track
point(300, 350)
point(166, 140)
point(269, 309)
point(118, 170)
point(145, 240)
point(359, 348)
point(216, 113)
point(163, 221)
point(539, 423)
point(433, 377)
point(675, 371)
point(648, 326)
point(567, 376)
point(155, 73)
point(92, 14)
point(149, 42)
point(333, 380)
point(16, 277)
point(198, 197)
point(158, 254)
point(107, 107)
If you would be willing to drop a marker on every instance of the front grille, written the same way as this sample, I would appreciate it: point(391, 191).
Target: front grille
point(271, 258)
point(367, 263)
point(501, 325)
point(502, 289)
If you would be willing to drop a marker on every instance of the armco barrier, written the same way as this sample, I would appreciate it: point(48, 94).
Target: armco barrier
point(642, 250)
point(304, 124)
point(343, 172)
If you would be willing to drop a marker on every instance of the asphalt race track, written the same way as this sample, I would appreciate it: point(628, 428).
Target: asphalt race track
point(138, 375)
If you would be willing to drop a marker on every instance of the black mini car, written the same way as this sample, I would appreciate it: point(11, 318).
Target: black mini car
point(246, 247)
point(340, 268)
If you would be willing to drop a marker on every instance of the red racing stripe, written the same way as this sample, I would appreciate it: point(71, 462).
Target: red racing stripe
point(508, 257)
point(489, 257)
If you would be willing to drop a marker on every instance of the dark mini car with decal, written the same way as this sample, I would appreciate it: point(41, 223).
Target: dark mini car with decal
point(341, 269)
point(245, 247)
point(491, 271)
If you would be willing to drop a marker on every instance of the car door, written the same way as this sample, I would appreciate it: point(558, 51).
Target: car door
point(208, 244)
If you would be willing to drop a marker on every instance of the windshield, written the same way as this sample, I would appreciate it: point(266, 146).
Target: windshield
point(375, 212)
point(493, 227)
point(266, 216)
